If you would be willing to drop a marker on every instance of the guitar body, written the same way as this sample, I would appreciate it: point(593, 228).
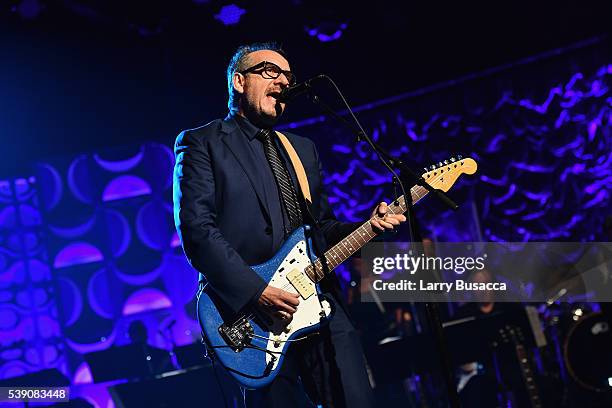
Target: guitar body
point(240, 343)
point(251, 347)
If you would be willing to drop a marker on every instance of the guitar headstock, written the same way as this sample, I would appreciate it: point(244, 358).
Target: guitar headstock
point(444, 174)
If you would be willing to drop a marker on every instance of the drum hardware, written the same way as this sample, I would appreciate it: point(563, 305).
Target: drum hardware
point(587, 353)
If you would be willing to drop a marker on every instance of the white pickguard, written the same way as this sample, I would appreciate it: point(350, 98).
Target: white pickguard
point(309, 311)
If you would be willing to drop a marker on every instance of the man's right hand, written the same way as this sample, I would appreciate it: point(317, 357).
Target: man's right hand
point(280, 302)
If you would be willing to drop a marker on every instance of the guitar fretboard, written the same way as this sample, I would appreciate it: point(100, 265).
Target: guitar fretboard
point(358, 238)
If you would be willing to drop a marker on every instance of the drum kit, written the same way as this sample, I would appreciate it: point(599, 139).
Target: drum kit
point(580, 343)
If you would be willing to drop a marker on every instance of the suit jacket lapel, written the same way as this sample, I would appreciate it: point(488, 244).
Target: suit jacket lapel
point(236, 141)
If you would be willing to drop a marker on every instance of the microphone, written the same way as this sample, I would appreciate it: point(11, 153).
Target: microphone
point(293, 91)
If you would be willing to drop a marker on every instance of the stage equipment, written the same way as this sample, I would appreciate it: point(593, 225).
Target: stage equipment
point(287, 94)
point(181, 388)
point(190, 355)
point(44, 378)
point(587, 353)
point(133, 361)
point(407, 177)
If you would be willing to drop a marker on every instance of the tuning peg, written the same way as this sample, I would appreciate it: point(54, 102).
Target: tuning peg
point(452, 159)
point(440, 164)
point(433, 167)
point(459, 157)
point(445, 161)
point(425, 168)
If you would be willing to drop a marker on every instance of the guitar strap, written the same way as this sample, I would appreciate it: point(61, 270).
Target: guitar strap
point(305, 187)
point(297, 166)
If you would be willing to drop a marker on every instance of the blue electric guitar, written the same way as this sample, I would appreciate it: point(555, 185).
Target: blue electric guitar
point(252, 346)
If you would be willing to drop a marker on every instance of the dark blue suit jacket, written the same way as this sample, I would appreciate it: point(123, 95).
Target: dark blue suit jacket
point(222, 212)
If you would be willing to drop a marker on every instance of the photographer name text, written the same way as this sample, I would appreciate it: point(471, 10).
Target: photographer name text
point(421, 285)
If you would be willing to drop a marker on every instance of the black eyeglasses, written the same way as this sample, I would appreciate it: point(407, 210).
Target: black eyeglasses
point(270, 70)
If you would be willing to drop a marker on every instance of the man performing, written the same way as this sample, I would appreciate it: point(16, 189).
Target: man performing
point(237, 198)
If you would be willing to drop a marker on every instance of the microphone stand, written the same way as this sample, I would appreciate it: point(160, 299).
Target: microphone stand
point(409, 177)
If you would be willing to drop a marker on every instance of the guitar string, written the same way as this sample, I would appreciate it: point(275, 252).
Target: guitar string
point(251, 316)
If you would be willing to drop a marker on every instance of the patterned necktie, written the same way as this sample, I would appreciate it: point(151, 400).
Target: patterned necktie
point(283, 181)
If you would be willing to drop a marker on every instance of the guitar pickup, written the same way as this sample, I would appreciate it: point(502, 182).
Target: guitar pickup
point(301, 283)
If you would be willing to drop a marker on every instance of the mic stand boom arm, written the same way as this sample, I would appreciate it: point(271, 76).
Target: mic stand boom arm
point(407, 175)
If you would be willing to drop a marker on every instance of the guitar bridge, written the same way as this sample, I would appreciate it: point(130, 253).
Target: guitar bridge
point(238, 334)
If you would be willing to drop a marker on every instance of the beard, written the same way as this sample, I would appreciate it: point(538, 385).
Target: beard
point(261, 118)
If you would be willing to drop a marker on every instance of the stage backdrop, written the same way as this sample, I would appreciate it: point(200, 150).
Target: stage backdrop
point(87, 243)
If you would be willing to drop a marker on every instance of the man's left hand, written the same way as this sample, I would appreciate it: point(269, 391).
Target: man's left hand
point(382, 220)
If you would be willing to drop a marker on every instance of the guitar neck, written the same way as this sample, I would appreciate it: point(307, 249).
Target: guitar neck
point(528, 377)
point(358, 238)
